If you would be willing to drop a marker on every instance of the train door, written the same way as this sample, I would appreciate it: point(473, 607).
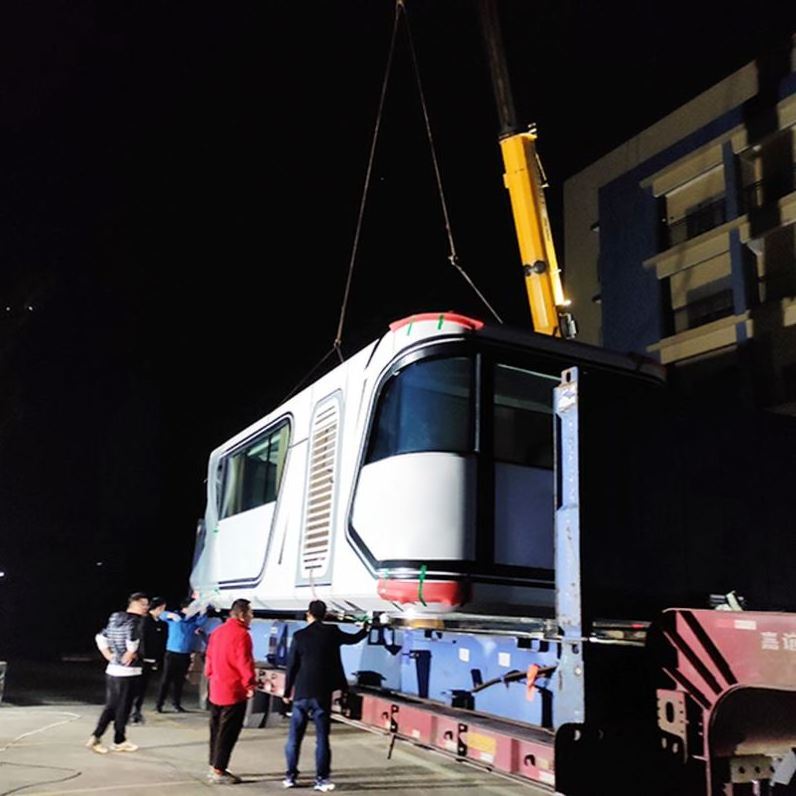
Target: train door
point(521, 426)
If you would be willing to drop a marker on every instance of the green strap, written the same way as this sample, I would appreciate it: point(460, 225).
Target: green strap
point(420, 582)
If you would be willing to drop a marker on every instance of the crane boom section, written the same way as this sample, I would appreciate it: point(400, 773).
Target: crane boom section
point(523, 179)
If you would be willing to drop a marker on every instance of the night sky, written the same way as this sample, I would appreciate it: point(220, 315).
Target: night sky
point(179, 191)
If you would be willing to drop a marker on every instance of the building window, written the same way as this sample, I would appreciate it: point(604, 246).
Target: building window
point(252, 473)
point(695, 207)
point(776, 264)
point(768, 171)
point(700, 218)
point(705, 304)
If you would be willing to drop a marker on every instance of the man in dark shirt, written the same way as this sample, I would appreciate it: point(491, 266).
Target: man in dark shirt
point(314, 672)
point(151, 652)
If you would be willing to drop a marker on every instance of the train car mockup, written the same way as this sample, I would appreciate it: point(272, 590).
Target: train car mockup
point(417, 477)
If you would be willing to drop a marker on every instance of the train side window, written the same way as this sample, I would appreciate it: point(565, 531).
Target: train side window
point(523, 417)
point(427, 406)
point(252, 474)
point(218, 484)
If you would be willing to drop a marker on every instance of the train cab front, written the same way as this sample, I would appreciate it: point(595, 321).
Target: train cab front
point(452, 509)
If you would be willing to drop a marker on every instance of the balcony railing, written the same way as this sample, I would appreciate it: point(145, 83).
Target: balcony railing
point(759, 194)
point(699, 220)
point(714, 213)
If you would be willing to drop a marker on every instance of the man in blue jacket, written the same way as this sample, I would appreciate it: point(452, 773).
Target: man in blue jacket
point(183, 627)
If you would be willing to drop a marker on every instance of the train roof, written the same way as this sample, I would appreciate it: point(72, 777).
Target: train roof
point(430, 326)
point(445, 323)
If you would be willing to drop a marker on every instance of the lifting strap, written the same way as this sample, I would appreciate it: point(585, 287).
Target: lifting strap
point(400, 9)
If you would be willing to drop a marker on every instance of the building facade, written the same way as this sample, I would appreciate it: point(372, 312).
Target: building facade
point(681, 243)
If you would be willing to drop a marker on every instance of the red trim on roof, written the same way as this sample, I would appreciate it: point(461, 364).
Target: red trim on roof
point(445, 592)
point(451, 317)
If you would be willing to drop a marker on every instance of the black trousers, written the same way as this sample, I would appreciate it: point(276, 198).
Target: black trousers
point(119, 695)
point(175, 668)
point(225, 725)
point(147, 669)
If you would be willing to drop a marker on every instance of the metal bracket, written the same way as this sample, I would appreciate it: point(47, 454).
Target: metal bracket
point(569, 701)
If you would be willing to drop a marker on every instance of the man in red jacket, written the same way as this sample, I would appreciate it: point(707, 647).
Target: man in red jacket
point(229, 666)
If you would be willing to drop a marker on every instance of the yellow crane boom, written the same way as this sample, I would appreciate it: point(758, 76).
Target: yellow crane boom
point(525, 181)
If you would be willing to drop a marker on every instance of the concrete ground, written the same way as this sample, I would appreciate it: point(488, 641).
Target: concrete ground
point(42, 752)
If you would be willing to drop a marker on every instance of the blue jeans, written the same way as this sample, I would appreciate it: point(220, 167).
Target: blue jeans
point(320, 712)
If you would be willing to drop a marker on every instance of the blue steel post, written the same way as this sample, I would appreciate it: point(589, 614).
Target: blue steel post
point(568, 703)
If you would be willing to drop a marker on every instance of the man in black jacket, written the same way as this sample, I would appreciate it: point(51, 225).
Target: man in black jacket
point(151, 652)
point(314, 672)
point(119, 643)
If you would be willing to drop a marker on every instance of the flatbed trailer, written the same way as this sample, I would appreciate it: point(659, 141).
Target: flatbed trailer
point(684, 700)
point(509, 748)
point(726, 726)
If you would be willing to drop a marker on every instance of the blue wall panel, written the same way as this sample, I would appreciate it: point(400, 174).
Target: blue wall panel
point(629, 228)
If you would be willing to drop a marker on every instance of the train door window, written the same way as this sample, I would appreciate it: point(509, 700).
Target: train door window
point(523, 462)
point(427, 406)
point(523, 412)
point(252, 474)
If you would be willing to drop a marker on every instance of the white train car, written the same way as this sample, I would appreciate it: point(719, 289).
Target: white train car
point(416, 477)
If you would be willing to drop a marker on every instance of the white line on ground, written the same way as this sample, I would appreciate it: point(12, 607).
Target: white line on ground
point(72, 717)
point(106, 788)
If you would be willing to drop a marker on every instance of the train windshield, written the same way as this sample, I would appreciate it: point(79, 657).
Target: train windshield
point(428, 406)
point(466, 439)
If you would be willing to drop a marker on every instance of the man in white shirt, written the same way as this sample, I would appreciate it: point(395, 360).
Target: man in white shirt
point(119, 643)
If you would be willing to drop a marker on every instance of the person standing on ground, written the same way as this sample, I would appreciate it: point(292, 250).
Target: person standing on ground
point(314, 672)
point(229, 666)
point(182, 628)
point(119, 643)
point(151, 652)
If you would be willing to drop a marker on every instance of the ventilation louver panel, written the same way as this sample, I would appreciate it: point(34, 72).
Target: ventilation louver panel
point(319, 503)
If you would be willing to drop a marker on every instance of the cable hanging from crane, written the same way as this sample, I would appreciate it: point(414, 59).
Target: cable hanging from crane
point(400, 8)
point(452, 256)
point(338, 339)
point(339, 336)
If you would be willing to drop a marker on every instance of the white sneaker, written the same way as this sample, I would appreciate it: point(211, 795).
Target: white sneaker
point(288, 782)
point(125, 746)
point(224, 778)
point(324, 786)
point(96, 745)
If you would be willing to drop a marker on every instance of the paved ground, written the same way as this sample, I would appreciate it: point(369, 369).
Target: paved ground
point(42, 752)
